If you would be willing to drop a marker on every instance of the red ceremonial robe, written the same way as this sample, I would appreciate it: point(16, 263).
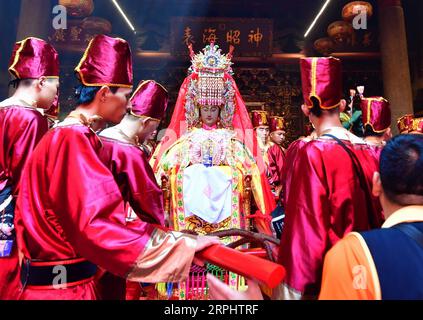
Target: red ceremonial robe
point(276, 158)
point(21, 128)
point(139, 189)
point(135, 178)
point(323, 203)
point(70, 207)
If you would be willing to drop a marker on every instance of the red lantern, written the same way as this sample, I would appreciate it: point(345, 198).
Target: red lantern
point(78, 8)
point(352, 9)
point(341, 32)
point(324, 46)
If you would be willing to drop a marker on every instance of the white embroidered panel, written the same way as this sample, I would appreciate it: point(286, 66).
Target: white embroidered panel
point(207, 192)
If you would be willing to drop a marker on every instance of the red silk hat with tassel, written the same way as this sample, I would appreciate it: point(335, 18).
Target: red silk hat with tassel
point(33, 58)
point(150, 99)
point(376, 113)
point(106, 62)
point(259, 118)
point(277, 123)
point(321, 79)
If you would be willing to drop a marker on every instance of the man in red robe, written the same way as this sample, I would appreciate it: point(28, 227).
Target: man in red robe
point(122, 154)
point(70, 212)
point(327, 183)
point(276, 154)
point(276, 160)
point(35, 67)
point(260, 120)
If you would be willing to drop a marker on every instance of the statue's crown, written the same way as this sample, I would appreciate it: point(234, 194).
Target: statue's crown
point(211, 60)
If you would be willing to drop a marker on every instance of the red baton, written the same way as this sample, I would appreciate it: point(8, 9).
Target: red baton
point(260, 270)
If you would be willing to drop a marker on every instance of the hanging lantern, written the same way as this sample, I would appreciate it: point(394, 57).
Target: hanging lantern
point(96, 25)
point(324, 46)
point(78, 8)
point(352, 9)
point(341, 32)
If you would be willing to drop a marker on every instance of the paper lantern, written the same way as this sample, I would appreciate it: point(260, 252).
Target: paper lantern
point(96, 25)
point(324, 46)
point(352, 9)
point(341, 32)
point(78, 8)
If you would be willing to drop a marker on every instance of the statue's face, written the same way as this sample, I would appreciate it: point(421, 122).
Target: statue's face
point(210, 115)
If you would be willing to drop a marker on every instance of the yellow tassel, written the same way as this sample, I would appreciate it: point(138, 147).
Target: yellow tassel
point(161, 288)
point(266, 290)
point(241, 285)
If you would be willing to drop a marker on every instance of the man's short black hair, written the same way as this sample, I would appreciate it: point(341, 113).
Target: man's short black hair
point(401, 168)
point(318, 111)
point(16, 83)
point(86, 95)
point(369, 132)
point(21, 83)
